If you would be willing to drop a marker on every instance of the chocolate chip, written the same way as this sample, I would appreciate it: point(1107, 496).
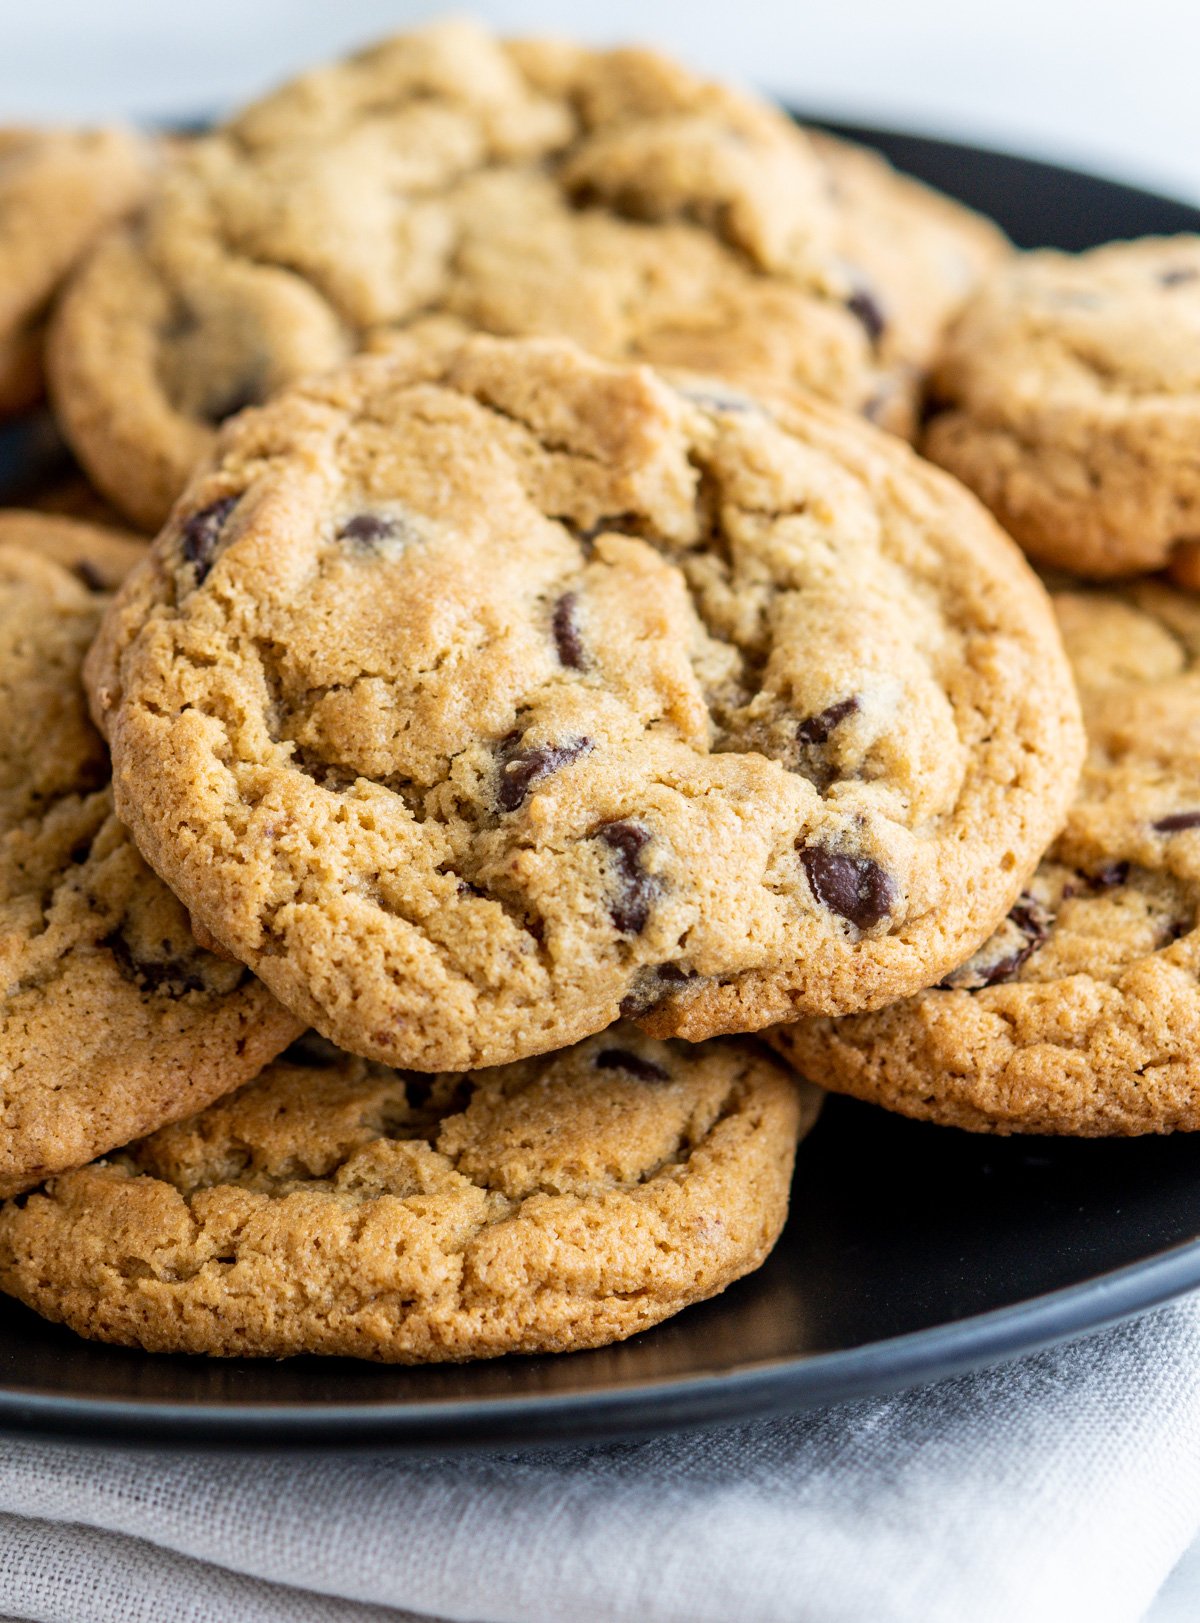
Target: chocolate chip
point(520, 769)
point(855, 888)
point(1028, 925)
point(1177, 276)
point(651, 987)
point(91, 576)
point(640, 999)
point(170, 978)
point(630, 909)
point(1177, 822)
point(566, 632)
point(864, 305)
point(620, 1059)
point(1108, 876)
point(201, 532)
point(368, 529)
point(817, 729)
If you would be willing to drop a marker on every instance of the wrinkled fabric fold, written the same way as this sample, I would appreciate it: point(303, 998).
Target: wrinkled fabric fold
point(1062, 1487)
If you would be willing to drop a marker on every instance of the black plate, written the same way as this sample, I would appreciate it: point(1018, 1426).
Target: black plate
point(912, 1251)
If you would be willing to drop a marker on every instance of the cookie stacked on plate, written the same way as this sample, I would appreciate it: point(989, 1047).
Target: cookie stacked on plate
point(551, 670)
point(1066, 394)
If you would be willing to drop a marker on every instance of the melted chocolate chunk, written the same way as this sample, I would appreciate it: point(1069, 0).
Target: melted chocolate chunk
point(1177, 276)
point(172, 979)
point(817, 729)
point(620, 1059)
point(1177, 822)
point(1033, 921)
point(201, 532)
point(651, 987)
point(520, 769)
point(630, 908)
point(566, 633)
point(866, 308)
point(674, 972)
point(1108, 876)
point(855, 888)
point(368, 529)
point(1029, 924)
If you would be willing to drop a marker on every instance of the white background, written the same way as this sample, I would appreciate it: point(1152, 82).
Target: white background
point(1113, 85)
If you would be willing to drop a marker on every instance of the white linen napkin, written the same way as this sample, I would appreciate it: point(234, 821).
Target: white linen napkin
point(1062, 1488)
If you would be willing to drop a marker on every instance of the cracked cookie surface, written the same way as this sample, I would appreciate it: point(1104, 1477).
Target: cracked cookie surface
point(111, 1019)
point(1068, 397)
point(1082, 1014)
point(475, 695)
point(332, 1206)
point(516, 188)
point(59, 189)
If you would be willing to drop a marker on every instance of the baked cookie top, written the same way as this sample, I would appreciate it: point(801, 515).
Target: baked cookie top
point(59, 189)
point(112, 1021)
point(473, 695)
point(1081, 1015)
point(915, 255)
point(1068, 397)
point(333, 1206)
point(519, 188)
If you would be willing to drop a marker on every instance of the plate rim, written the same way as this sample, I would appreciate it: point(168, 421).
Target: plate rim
point(667, 1403)
point(568, 1419)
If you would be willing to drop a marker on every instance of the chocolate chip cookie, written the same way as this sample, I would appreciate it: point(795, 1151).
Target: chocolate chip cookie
point(914, 257)
point(96, 554)
point(59, 189)
point(474, 695)
point(336, 1207)
point(112, 1020)
point(517, 187)
point(1081, 1015)
point(1068, 398)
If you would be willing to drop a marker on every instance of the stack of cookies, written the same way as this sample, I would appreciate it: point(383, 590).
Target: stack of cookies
point(558, 719)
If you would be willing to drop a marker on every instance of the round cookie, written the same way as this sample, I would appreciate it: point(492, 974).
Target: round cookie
point(474, 695)
point(112, 1020)
point(97, 554)
point(915, 254)
point(519, 188)
point(69, 495)
point(59, 189)
point(1082, 1014)
point(336, 1207)
point(1068, 397)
